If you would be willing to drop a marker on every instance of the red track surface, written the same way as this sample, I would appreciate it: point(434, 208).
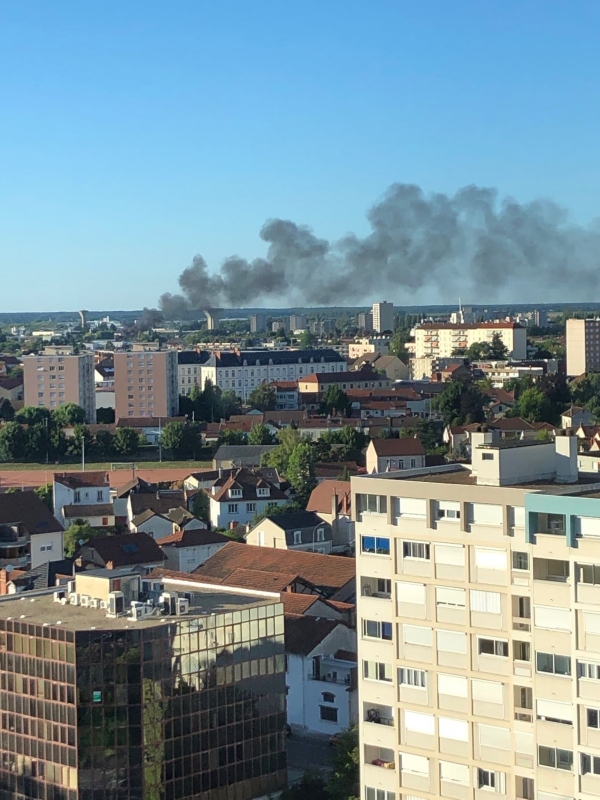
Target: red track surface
point(38, 477)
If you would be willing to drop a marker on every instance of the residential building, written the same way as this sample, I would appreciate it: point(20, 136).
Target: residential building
point(190, 547)
point(443, 339)
point(575, 416)
point(237, 498)
point(128, 550)
point(479, 620)
point(258, 323)
point(297, 322)
point(148, 427)
point(154, 688)
point(391, 366)
point(379, 343)
point(300, 530)
point(242, 371)
point(189, 369)
point(331, 500)
point(583, 346)
point(286, 395)
point(311, 387)
point(29, 533)
point(104, 379)
point(98, 515)
point(58, 376)
point(11, 389)
point(383, 317)
point(79, 489)
point(365, 321)
point(160, 501)
point(146, 384)
point(384, 455)
point(230, 456)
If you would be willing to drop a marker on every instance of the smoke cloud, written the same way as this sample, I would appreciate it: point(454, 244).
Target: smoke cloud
point(471, 242)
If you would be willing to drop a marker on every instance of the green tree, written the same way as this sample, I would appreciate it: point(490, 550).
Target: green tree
point(229, 403)
point(81, 438)
point(307, 340)
point(279, 458)
point(7, 411)
point(429, 434)
point(586, 392)
point(45, 494)
point(201, 506)
point(13, 442)
point(38, 441)
point(335, 402)
point(398, 345)
point(264, 397)
point(126, 441)
point(104, 444)
point(229, 436)
point(260, 434)
point(343, 783)
point(498, 350)
point(460, 404)
point(69, 414)
point(77, 534)
point(105, 416)
point(301, 471)
point(30, 415)
point(534, 406)
point(174, 438)
point(311, 786)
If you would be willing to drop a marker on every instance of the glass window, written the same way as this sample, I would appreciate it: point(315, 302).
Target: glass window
point(520, 560)
point(416, 550)
point(493, 647)
point(553, 664)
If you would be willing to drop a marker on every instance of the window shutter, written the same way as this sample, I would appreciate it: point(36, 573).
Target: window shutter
point(452, 641)
point(489, 558)
point(416, 634)
point(554, 710)
point(453, 685)
point(591, 622)
point(492, 736)
point(485, 514)
point(410, 592)
point(419, 723)
point(411, 507)
point(587, 526)
point(457, 729)
point(446, 595)
point(452, 555)
point(456, 773)
point(487, 691)
point(412, 763)
point(488, 602)
point(524, 743)
point(554, 619)
point(518, 516)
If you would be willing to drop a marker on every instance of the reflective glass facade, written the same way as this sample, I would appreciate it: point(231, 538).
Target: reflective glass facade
point(185, 707)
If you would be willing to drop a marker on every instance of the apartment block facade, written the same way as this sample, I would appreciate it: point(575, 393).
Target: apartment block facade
point(146, 384)
point(583, 346)
point(58, 376)
point(383, 316)
point(442, 340)
point(479, 628)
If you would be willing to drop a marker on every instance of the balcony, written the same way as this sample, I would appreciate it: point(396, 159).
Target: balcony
point(379, 715)
point(331, 678)
point(380, 757)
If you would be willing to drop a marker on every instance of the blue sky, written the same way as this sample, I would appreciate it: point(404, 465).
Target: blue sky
point(134, 135)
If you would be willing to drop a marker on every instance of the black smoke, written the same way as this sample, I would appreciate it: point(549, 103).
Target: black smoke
point(471, 242)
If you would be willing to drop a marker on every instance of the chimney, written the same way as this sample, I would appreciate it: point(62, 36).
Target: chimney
point(334, 505)
point(3, 581)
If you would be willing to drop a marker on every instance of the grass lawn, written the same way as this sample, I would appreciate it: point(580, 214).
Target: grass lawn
point(74, 466)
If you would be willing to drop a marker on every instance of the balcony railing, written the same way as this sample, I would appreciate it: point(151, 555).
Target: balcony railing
point(339, 679)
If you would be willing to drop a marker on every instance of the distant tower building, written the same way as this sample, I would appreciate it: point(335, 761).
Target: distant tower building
point(57, 376)
point(297, 322)
point(213, 318)
point(82, 317)
point(146, 383)
point(258, 323)
point(383, 316)
point(365, 321)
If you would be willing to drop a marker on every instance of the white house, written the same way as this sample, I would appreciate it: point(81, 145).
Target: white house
point(301, 530)
point(575, 416)
point(100, 515)
point(189, 548)
point(385, 455)
point(238, 498)
point(321, 674)
point(79, 488)
point(29, 534)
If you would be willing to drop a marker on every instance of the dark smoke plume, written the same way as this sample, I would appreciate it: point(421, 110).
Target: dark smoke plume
point(469, 242)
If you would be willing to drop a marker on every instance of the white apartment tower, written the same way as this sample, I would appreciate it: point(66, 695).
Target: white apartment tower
point(479, 627)
point(383, 316)
point(583, 346)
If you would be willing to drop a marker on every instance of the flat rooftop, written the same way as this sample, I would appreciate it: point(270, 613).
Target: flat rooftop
point(42, 609)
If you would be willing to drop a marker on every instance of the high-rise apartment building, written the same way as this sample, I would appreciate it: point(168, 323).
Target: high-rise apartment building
point(583, 346)
point(365, 321)
point(118, 689)
point(58, 376)
point(146, 383)
point(445, 339)
point(258, 323)
point(383, 317)
point(479, 627)
point(297, 322)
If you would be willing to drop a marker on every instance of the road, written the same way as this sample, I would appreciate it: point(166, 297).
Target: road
point(308, 753)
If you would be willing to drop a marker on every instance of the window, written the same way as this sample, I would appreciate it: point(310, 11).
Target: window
point(520, 560)
point(589, 764)
point(328, 697)
point(377, 671)
point(448, 510)
point(487, 456)
point(452, 555)
point(490, 558)
point(419, 723)
point(553, 711)
point(450, 597)
point(487, 691)
point(452, 685)
point(371, 503)
point(412, 677)
point(552, 618)
point(487, 779)
point(297, 537)
point(454, 773)
point(232, 508)
point(485, 602)
point(418, 765)
point(410, 507)
point(384, 586)
point(415, 550)
point(493, 647)
point(77, 496)
point(373, 629)
point(235, 493)
point(555, 758)
point(452, 641)
point(588, 670)
point(410, 593)
point(375, 544)
point(593, 717)
point(320, 535)
point(589, 573)
point(99, 495)
point(553, 664)
point(328, 714)
point(378, 794)
point(250, 508)
point(521, 651)
point(417, 635)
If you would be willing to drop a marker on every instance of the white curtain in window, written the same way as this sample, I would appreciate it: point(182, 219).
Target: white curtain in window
point(456, 773)
point(485, 514)
point(554, 619)
point(410, 592)
point(487, 691)
point(554, 710)
point(453, 685)
point(419, 723)
point(416, 634)
point(452, 555)
point(493, 736)
point(448, 596)
point(490, 558)
point(487, 602)
point(412, 763)
point(457, 729)
point(587, 526)
point(452, 641)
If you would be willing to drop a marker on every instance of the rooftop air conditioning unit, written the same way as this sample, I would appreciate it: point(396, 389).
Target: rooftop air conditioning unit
point(85, 600)
point(73, 598)
point(168, 602)
point(94, 602)
point(103, 605)
point(183, 606)
point(116, 604)
point(70, 586)
point(60, 596)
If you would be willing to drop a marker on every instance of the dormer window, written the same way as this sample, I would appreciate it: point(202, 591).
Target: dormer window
point(263, 491)
point(235, 493)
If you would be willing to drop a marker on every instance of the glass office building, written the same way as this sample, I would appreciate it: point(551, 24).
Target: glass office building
point(161, 708)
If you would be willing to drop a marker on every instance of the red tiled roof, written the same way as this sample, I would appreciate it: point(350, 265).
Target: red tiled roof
point(196, 537)
point(406, 446)
point(81, 480)
point(321, 497)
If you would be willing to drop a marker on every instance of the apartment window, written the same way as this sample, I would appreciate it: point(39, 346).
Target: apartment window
point(77, 496)
point(377, 671)
point(553, 711)
point(588, 670)
point(320, 535)
point(449, 597)
point(371, 503)
point(589, 573)
point(555, 758)
point(593, 717)
point(373, 629)
point(412, 677)
point(485, 602)
point(410, 507)
point(520, 560)
point(375, 544)
point(232, 508)
point(524, 788)
point(416, 550)
point(448, 510)
point(521, 651)
point(589, 764)
point(378, 794)
point(488, 779)
point(99, 495)
point(250, 508)
point(492, 647)
point(297, 537)
point(553, 664)
point(487, 456)
point(328, 714)
point(327, 697)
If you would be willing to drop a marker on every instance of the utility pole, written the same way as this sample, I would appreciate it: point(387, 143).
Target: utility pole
point(160, 439)
point(82, 453)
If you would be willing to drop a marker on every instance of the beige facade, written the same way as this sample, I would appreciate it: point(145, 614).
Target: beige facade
point(479, 636)
point(441, 340)
point(583, 346)
point(57, 376)
point(383, 316)
point(146, 384)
